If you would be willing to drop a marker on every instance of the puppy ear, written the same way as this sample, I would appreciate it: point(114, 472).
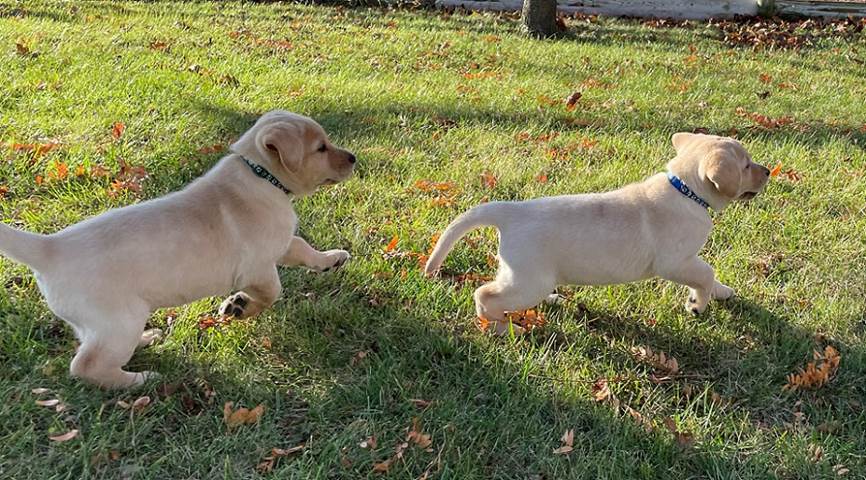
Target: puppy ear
point(723, 171)
point(681, 139)
point(282, 141)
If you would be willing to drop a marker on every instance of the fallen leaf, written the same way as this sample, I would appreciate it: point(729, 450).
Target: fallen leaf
point(38, 179)
point(358, 357)
point(571, 101)
point(392, 244)
point(40, 391)
point(765, 78)
point(659, 360)
point(383, 467)
point(817, 373)
point(217, 147)
point(48, 403)
point(601, 390)
point(420, 403)
point(158, 45)
point(140, 403)
point(488, 179)
point(241, 416)
point(415, 435)
point(683, 439)
point(64, 437)
point(775, 171)
point(117, 129)
point(36, 148)
point(567, 443)
point(22, 49)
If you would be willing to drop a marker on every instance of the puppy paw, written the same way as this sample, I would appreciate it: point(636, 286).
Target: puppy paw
point(235, 305)
point(149, 337)
point(334, 260)
point(722, 291)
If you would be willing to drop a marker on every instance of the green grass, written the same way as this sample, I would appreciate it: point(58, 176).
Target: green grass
point(390, 86)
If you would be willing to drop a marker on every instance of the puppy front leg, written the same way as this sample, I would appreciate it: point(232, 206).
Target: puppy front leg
point(301, 253)
point(699, 277)
point(258, 295)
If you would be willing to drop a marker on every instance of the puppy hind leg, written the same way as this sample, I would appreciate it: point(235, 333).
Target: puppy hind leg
point(100, 361)
point(494, 299)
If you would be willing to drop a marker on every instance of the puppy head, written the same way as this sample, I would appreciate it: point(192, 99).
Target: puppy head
point(721, 164)
point(296, 150)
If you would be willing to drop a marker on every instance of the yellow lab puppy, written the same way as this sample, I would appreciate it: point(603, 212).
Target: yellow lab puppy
point(647, 229)
point(227, 231)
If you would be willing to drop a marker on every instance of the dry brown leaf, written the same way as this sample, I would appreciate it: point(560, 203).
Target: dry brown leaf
point(217, 147)
point(684, 439)
point(420, 403)
point(601, 390)
point(22, 49)
point(817, 373)
point(658, 360)
point(488, 179)
point(571, 101)
point(417, 437)
point(567, 443)
point(358, 357)
point(64, 437)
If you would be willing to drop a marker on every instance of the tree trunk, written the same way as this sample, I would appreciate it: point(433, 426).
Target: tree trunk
point(539, 17)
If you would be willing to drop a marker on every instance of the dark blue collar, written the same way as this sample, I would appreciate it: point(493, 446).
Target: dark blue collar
point(262, 172)
point(685, 190)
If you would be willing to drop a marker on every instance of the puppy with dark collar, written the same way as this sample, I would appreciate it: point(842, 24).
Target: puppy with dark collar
point(226, 231)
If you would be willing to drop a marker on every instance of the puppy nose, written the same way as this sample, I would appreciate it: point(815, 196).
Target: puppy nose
point(766, 170)
point(352, 159)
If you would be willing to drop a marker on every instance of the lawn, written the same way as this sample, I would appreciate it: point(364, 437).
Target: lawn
point(469, 102)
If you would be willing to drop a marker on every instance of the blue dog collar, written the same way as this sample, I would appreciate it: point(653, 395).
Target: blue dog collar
point(685, 190)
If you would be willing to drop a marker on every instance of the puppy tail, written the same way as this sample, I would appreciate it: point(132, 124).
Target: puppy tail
point(28, 248)
point(484, 214)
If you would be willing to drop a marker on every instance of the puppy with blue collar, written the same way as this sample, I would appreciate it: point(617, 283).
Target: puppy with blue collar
point(654, 228)
point(227, 231)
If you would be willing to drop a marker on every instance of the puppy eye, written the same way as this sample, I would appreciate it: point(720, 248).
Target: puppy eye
point(323, 148)
point(748, 165)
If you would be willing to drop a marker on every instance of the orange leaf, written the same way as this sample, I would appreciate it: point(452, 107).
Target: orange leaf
point(392, 244)
point(217, 147)
point(80, 171)
point(117, 130)
point(3, 191)
point(765, 78)
point(38, 179)
point(541, 178)
point(775, 171)
point(64, 437)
